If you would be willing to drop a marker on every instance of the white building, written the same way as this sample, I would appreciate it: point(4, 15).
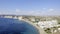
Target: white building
point(7, 16)
point(20, 18)
point(47, 24)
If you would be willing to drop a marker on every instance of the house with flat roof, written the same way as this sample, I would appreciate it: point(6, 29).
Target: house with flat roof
point(47, 24)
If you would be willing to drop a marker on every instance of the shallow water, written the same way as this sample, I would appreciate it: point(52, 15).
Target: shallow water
point(15, 26)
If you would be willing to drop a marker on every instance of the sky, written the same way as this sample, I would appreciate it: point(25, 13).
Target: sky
point(30, 7)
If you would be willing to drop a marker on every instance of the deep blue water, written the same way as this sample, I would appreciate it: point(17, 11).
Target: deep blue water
point(15, 26)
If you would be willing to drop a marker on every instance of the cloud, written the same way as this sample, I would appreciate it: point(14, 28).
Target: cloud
point(44, 8)
point(17, 10)
point(36, 12)
point(51, 10)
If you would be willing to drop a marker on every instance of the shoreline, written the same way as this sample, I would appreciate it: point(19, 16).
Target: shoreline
point(40, 30)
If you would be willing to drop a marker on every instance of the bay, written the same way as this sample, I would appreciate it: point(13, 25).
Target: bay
point(15, 26)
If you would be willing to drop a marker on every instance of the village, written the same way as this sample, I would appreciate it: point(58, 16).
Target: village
point(48, 24)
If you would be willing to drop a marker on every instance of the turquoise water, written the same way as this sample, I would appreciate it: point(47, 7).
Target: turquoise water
point(15, 26)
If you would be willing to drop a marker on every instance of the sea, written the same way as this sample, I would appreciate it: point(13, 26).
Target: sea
point(15, 26)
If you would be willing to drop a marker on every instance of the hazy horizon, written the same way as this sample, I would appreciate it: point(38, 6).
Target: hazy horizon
point(30, 7)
